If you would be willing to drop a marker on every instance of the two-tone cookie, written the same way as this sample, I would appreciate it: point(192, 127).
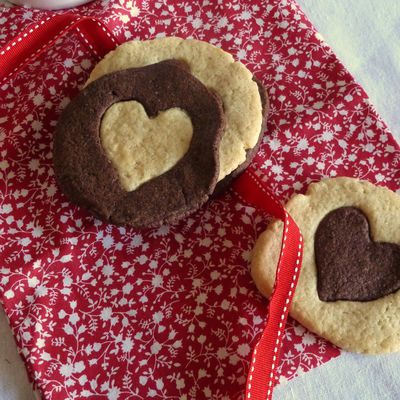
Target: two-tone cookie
point(140, 196)
point(119, 151)
point(348, 290)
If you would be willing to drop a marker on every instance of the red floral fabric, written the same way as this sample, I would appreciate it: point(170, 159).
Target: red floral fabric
point(100, 311)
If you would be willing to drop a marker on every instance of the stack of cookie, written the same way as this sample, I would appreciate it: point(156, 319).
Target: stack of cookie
point(160, 126)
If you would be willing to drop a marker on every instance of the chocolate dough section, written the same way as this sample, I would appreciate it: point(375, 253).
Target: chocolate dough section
point(350, 265)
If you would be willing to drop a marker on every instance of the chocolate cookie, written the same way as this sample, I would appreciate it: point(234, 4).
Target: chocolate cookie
point(86, 175)
point(348, 290)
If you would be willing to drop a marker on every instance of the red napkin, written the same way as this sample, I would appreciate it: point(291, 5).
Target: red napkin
point(102, 311)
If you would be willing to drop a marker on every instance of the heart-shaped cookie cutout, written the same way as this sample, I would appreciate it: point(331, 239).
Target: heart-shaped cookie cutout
point(141, 148)
point(351, 266)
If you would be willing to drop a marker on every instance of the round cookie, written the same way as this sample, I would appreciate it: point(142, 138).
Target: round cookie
point(85, 173)
point(361, 325)
point(217, 70)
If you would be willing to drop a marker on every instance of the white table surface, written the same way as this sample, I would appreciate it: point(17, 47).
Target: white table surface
point(364, 34)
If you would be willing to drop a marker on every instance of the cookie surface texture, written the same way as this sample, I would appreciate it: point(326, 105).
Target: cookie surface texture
point(218, 71)
point(362, 326)
point(87, 176)
point(225, 183)
point(141, 148)
point(350, 264)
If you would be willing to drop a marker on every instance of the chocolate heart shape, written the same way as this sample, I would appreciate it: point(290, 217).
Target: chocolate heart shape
point(350, 265)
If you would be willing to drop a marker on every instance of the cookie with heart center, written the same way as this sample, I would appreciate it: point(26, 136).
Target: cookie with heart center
point(85, 173)
point(348, 290)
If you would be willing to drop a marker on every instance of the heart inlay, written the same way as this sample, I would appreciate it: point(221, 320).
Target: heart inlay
point(141, 148)
point(350, 265)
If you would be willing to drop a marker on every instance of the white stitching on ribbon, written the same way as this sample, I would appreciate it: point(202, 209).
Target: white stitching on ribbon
point(107, 33)
point(290, 295)
point(12, 44)
point(87, 42)
point(34, 28)
point(38, 50)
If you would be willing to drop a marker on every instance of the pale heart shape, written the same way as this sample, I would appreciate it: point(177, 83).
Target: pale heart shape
point(141, 148)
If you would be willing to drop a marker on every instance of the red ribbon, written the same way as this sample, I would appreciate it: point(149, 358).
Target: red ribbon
point(266, 354)
point(35, 40)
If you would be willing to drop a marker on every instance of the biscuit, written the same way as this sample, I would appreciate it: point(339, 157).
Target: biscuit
point(230, 80)
point(225, 183)
point(86, 175)
point(357, 313)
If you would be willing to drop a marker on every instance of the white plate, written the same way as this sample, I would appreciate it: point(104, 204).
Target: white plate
point(50, 4)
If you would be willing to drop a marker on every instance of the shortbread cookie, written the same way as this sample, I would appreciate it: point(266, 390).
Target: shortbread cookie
point(85, 173)
point(230, 80)
point(348, 290)
point(225, 183)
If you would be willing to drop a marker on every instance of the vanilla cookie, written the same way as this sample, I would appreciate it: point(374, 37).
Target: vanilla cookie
point(348, 290)
point(242, 97)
